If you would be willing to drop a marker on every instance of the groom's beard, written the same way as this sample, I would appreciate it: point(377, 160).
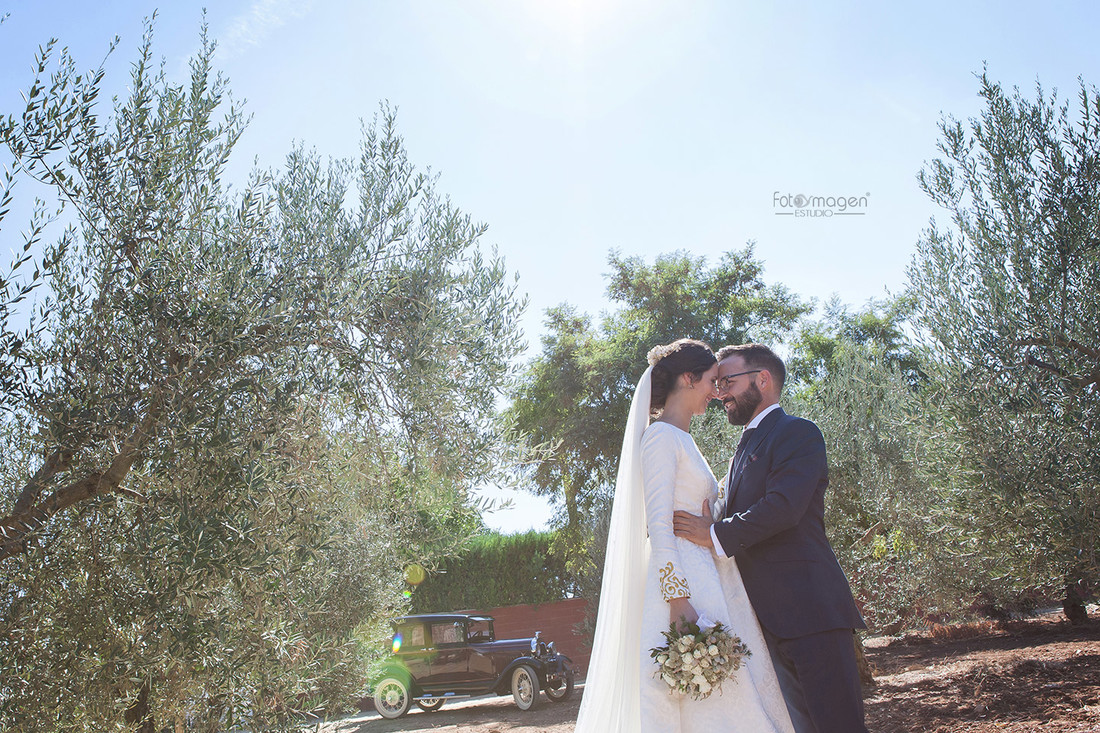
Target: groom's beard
point(739, 409)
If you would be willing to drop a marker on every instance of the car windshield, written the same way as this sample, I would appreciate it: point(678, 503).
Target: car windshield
point(479, 630)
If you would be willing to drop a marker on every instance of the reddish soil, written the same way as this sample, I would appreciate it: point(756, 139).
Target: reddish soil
point(1036, 675)
point(1041, 674)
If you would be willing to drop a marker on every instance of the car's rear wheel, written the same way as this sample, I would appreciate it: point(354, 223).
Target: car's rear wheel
point(391, 697)
point(559, 690)
point(525, 687)
point(430, 705)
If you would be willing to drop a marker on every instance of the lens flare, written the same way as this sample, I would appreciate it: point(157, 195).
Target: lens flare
point(415, 573)
point(397, 639)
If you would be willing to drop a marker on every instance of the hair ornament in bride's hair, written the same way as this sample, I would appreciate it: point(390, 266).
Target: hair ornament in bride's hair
point(681, 355)
point(660, 352)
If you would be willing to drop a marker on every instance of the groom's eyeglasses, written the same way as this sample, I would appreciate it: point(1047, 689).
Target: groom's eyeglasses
point(723, 383)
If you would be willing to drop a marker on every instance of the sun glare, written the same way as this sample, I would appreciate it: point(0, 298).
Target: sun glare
point(576, 19)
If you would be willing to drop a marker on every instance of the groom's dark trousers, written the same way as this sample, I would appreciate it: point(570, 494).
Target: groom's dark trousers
point(774, 526)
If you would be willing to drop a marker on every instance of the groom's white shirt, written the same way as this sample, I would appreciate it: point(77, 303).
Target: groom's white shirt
point(753, 424)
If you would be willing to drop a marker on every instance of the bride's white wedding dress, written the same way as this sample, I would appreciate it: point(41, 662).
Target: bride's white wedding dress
point(675, 477)
point(641, 570)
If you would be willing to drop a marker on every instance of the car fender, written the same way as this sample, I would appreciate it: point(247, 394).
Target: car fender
point(504, 681)
point(394, 669)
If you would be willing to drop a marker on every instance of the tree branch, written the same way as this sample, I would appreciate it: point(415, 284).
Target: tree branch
point(55, 463)
point(1062, 342)
point(1031, 360)
point(16, 528)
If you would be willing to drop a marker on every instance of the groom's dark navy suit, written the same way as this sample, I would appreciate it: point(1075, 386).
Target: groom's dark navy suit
point(774, 526)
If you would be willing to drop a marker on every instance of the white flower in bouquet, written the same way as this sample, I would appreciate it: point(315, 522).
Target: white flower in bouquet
point(696, 662)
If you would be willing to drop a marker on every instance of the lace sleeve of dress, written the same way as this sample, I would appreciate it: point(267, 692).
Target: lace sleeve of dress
point(660, 454)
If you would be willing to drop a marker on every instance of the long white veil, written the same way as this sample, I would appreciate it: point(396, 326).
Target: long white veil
point(612, 688)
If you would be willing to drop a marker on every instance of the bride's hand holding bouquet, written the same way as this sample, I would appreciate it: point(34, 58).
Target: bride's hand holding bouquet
point(681, 610)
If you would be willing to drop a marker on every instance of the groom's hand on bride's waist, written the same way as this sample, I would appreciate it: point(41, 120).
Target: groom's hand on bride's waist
point(694, 527)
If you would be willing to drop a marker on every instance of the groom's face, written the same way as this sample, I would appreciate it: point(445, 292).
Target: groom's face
point(738, 390)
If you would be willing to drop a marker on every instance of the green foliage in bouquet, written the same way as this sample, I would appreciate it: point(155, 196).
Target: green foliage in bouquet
point(696, 662)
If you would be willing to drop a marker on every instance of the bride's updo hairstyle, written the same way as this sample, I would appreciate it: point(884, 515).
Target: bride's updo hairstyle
point(669, 362)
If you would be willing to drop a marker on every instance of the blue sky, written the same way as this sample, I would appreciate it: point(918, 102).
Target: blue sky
point(574, 127)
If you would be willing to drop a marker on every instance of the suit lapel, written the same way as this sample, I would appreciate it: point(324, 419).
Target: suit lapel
point(767, 425)
point(752, 447)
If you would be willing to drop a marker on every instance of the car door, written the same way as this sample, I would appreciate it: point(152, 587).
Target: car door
point(479, 637)
point(409, 643)
point(450, 657)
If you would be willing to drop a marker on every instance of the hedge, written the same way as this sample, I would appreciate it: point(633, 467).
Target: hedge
point(497, 570)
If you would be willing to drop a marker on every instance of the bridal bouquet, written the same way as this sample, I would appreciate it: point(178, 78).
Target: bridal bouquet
point(695, 662)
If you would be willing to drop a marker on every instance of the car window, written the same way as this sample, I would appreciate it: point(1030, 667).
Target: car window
point(409, 636)
point(446, 633)
point(479, 631)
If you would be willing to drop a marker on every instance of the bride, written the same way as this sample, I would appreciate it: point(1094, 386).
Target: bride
point(650, 581)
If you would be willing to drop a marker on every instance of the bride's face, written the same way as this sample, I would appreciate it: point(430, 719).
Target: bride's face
point(705, 390)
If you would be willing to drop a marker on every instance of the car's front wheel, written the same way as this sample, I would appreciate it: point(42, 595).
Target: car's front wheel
point(391, 697)
point(559, 690)
point(525, 687)
point(430, 705)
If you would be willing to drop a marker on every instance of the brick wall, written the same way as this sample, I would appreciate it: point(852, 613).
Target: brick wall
point(557, 622)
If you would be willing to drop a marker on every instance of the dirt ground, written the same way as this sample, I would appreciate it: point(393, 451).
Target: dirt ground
point(1036, 675)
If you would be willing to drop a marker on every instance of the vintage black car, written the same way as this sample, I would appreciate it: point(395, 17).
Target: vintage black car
point(440, 656)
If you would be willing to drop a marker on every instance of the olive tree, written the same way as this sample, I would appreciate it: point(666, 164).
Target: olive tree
point(1007, 303)
point(228, 417)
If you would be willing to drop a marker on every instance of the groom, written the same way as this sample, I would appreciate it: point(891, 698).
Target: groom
point(774, 526)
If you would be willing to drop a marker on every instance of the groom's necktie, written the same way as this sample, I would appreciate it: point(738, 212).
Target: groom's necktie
point(739, 454)
point(735, 469)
